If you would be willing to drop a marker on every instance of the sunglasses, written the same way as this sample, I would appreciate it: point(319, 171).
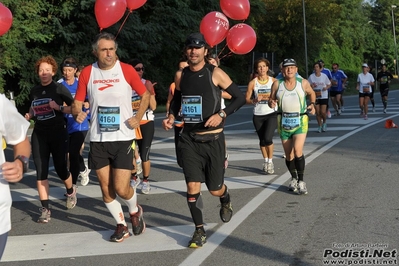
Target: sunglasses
point(139, 68)
point(195, 43)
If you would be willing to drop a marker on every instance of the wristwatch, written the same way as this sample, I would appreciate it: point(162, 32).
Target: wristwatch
point(61, 108)
point(222, 114)
point(25, 162)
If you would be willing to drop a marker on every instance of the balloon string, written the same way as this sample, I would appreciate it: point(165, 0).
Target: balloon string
point(226, 55)
point(123, 23)
point(222, 50)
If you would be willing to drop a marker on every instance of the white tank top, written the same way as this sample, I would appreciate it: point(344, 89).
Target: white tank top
point(291, 100)
point(262, 107)
point(109, 95)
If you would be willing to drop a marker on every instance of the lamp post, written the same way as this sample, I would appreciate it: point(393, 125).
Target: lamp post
point(394, 39)
point(306, 45)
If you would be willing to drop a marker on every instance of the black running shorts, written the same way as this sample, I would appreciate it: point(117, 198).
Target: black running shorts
point(203, 162)
point(118, 154)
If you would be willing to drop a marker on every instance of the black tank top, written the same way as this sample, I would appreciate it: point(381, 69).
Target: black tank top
point(200, 83)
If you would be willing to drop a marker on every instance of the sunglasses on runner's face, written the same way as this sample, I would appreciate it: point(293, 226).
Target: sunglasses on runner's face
point(139, 68)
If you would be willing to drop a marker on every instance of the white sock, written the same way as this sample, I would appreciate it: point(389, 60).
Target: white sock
point(115, 208)
point(138, 161)
point(270, 160)
point(132, 203)
point(266, 160)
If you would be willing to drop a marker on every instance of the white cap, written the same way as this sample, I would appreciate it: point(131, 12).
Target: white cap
point(365, 65)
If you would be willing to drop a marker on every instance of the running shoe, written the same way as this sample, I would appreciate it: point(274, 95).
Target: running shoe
point(319, 130)
point(71, 198)
point(339, 111)
point(84, 177)
point(226, 212)
point(226, 161)
point(324, 128)
point(293, 185)
point(135, 181)
point(45, 216)
point(198, 239)
point(373, 109)
point(145, 189)
point(270, 168)
point(342, 108)
point(385, 110)
point(264, 168)
point(361, 113)
point(328, 114)
point(302, 188)
point(137, 220)
point(121, 232)
point(365, 117)
point(139, 167)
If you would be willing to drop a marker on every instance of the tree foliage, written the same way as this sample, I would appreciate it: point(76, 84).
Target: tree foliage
point(348, 32)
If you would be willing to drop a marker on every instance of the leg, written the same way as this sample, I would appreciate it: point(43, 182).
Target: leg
point(195, 204)
point(299, 142)
point(147, 130)
point(365, 104)
point(41, 157)
point(3, 242)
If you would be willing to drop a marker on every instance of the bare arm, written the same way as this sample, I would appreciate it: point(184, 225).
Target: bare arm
point(273, 99)
point(311, 94)
point(250, 90)
point(77, 112)
point(13, 171)
point(150, 88)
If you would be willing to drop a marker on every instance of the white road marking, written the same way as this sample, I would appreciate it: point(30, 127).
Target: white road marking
point(93, 243)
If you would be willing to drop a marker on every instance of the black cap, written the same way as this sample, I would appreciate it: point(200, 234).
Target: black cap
point(196, 40)
point(320, 61)
point(289, 62)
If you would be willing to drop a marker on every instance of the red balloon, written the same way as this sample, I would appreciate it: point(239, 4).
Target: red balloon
point(235, 9)
point(5, 19)
point(241, 39)
point(108, 12)
point(135, 4)
point(214, 26)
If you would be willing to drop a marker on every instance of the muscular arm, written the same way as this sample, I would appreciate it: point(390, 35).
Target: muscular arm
point(272, 99)
point(175, 103)
point(250, 90)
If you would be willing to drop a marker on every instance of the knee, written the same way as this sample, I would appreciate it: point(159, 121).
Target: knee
point(218, 193)
point(193, 187)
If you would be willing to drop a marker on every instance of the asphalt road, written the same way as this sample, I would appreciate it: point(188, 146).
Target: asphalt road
point(350, 214)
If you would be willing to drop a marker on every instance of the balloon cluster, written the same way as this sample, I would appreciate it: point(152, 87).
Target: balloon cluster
point(5, 19)
point(241, 38)
point(108, 12)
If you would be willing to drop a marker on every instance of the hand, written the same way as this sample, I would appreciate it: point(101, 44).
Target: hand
point(311, 109)
point(27, 116)
point(134, 122)
point(168, 123)
point(81, 116)
point(54, 105)
point(213, 121)
point(86, 105)
point(272, 103)
point(12, 171)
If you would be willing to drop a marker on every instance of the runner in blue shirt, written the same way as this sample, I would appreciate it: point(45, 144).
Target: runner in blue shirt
point(337, 87)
